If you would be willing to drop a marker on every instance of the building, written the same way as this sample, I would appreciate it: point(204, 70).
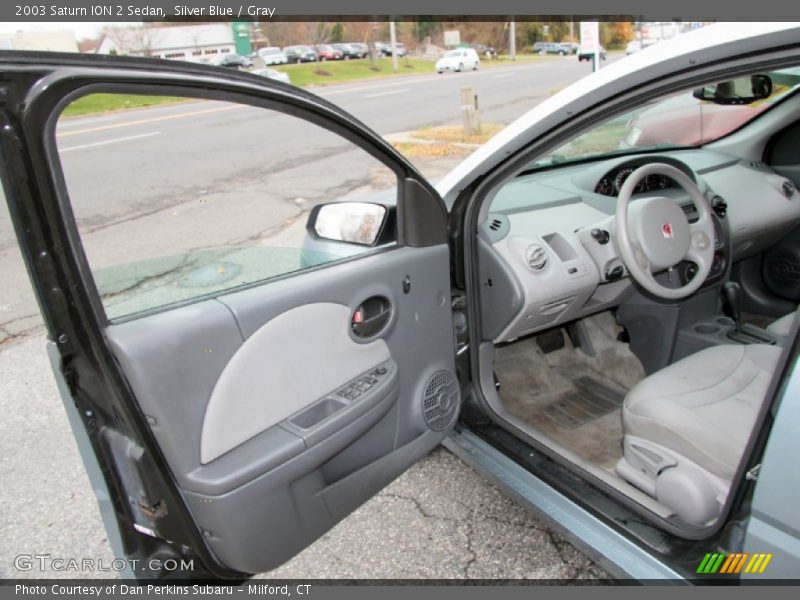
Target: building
point(196, 43)
point(50, 41)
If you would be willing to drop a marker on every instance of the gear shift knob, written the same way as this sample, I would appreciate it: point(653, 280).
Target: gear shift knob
point(731, 296)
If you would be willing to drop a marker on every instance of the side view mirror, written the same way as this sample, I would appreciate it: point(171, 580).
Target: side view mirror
point(744, 90)
point(359, 223)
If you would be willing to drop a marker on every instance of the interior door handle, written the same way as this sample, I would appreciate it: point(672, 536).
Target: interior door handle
point(371, 317)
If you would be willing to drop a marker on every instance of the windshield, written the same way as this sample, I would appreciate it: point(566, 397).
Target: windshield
point(452, 53)
point(675, 121)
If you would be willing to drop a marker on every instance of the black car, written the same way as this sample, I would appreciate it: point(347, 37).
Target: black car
point(232, 61)
point(300, 54)
point(350, 51)
point(483, 50)
point(385, 48)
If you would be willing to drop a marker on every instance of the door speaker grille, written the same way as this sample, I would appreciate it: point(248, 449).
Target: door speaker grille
point(440, 401)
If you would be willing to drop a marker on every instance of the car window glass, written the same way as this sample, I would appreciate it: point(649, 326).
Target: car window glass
point(676, 120)
point(177, 199)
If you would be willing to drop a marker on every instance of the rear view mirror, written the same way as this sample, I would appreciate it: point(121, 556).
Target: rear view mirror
point(352, 222)
point(744, 90)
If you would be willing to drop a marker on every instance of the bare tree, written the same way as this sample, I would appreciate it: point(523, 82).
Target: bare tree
point(139, 40)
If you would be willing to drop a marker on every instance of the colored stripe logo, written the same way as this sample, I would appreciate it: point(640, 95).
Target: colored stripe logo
point(741, 562)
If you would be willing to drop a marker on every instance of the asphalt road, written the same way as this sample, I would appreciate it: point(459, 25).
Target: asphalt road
point(145, 180)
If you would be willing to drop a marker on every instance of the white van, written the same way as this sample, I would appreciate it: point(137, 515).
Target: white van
point(458, 60)
point(273, 56)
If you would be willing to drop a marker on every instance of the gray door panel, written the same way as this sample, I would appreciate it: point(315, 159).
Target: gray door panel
point(258, 373)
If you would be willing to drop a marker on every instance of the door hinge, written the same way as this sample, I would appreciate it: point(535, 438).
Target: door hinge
point(752, 474)
point(154, 510)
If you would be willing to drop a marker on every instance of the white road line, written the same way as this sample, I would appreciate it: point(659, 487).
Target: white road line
point(501, 75)
point(106, 142)
point(152, 120)
point(389, 93)
point(78, 121)
point(413, 80)
point(379, 86)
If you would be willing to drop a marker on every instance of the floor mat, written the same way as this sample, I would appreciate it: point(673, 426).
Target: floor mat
point(572, 398)
point(590, 400)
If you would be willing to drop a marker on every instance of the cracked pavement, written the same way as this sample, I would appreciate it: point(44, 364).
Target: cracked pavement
point(441, 520)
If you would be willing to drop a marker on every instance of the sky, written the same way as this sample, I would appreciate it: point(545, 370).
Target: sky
point(81, 30)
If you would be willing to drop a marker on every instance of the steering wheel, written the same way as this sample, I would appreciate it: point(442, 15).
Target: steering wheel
point(654, 234)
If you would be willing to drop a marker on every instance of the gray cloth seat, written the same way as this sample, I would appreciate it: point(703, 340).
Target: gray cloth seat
point(782, 326)
point(704, 406)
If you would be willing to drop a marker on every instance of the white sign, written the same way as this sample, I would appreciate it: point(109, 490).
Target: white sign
point(452, 38)
point(590, 34)
point(590, 40)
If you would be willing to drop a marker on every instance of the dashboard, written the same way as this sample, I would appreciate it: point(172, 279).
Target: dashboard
point(548, 235)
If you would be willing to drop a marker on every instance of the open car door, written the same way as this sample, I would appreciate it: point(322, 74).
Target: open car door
point(241, 381)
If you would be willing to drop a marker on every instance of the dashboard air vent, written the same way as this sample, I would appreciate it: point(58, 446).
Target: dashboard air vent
point(495, 225)
point(719, 206)
point(788, 188)
point(536, 257)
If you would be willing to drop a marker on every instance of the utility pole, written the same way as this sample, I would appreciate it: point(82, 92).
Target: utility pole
point(512, 39)
point(393, 35)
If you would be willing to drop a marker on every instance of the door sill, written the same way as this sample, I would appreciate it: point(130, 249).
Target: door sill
point(607, 546)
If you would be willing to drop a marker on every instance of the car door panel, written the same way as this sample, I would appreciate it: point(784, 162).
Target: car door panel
point(261, 347)
point(267, 379)
point(218, 421)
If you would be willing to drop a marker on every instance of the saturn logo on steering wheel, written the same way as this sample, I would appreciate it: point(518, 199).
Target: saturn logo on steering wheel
point(666, 230)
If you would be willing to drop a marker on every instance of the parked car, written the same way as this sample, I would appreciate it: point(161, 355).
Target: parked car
point(570, 47)
point(542, 48)
point(686, 120)
point(272, 56)
point(458, 60)
point(361, 48)
point(551, 315)
point(350, 51)
point(586, 53)
point(273, 74)
point(485, 51)
point(300, 54)
point(385, 48)
point(632, 47)
point(232, 61)
point(328, 52)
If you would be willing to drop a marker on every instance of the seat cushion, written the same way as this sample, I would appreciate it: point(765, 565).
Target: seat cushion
point(782, 326)
point(705, 405)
